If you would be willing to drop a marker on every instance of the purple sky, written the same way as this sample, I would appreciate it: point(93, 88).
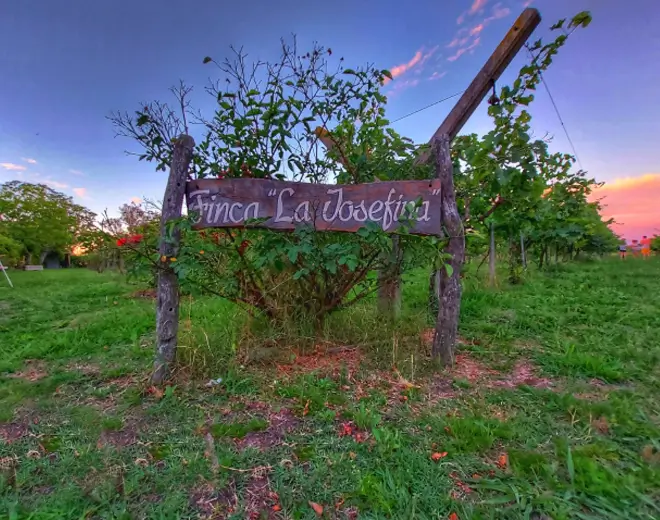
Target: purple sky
point(66, 65)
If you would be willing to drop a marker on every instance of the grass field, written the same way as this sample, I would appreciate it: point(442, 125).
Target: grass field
point(551, 411)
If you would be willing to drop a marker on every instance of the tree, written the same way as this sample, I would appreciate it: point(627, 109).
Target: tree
point(501, 178)
point(655, 243)
point(10, 250)
point(40, 218)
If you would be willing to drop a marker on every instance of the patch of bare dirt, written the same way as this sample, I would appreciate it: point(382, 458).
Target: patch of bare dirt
point(260, 501)
point(279, 424)
point(211, 503)
point(119, 439)
point(597, 390)
point(149, 294)
point(329, 361)
point(34, 371)
point(479, 375)
point(523, 374)
point(11, 432)
point(88, 369)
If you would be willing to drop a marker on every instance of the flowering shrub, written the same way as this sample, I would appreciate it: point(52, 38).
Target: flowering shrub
point(132, 239)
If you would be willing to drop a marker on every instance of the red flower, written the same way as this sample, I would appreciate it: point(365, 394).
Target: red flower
point(121, 242)
point(135, 239)
point(244, 245)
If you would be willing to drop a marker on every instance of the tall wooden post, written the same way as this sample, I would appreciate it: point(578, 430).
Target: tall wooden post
point(167, 302)
point(449, 287)
point(446, 327)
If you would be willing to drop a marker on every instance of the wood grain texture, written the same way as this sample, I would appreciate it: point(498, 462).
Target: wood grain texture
point(167, 301)
point(328, 207)
point(446, 328)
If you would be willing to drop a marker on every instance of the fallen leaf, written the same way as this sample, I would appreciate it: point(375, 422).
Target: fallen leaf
point(306, 410)
point(437, 456)
point(156, 392)
point(453, 516)
point(277, 507)
point(141, 462)
point(33, 454)
point(352, 455)
point(601, 425)
point(503, 461)
point(318, 509)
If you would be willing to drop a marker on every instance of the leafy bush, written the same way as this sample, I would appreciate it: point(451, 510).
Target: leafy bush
point(269, 122)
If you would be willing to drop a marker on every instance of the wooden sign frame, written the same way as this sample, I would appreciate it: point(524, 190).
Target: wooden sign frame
point(283, 205)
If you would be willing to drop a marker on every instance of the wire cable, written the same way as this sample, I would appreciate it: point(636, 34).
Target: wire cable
point(427, 106)
point(561, 120)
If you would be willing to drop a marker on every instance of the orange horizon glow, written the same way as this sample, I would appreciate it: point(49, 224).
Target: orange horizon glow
point(633, 203)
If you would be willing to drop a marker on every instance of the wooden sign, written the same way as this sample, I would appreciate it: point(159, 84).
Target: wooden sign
point(330, 207)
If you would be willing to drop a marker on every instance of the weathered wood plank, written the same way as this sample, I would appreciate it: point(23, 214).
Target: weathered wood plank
point(507, 49)
point(329, 207)
point(446, 328)
point(167, 301)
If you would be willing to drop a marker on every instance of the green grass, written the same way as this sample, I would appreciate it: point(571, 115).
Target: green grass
point(90, 439)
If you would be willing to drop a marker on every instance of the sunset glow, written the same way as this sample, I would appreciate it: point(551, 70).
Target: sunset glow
point(634, 204)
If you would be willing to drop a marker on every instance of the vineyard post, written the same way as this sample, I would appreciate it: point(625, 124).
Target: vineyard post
point(167, 302)
point(444, 341)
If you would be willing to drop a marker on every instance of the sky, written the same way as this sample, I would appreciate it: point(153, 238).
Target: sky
point(65, 66)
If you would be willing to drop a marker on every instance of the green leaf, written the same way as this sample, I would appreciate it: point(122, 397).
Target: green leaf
point(206, 60)
point(449, 269)
point(569, 465)
point(387, 73)
point(293, 254)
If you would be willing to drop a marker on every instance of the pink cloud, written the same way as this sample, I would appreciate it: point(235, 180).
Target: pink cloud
point(13, 167)
point(136, 200)
point(81, 192)
point(477, 6)
point(498, 12)
point(465, 39)
point(416, 63)
point(633, 203)
point(463, 50)
point(401, 69)
point(437, 75)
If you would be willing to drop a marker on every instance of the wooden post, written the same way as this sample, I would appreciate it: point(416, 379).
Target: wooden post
point(446, 328)
point(491, 254)
point(450, 289)
point(167, 302)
